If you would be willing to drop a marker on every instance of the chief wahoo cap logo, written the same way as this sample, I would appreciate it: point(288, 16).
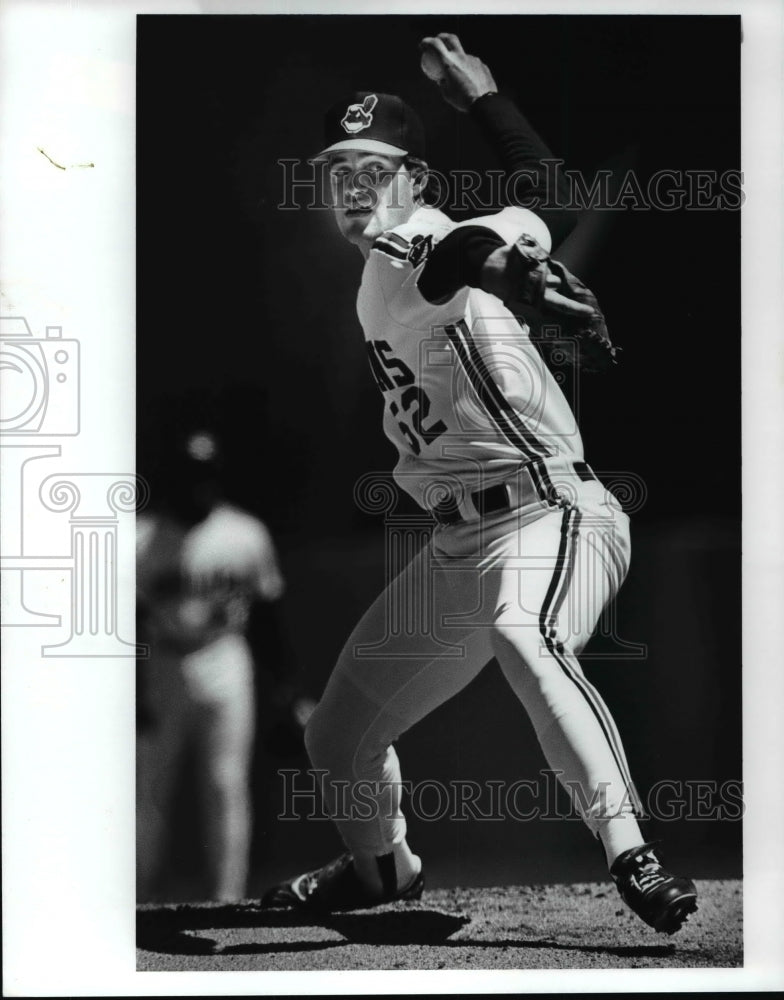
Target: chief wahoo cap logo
point(359, 116)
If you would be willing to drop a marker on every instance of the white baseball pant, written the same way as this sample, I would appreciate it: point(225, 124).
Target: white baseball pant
point(526, 586)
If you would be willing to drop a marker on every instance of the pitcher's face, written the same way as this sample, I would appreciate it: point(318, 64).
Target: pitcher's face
point(371, 193)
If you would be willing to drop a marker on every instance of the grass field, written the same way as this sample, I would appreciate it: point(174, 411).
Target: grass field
point(580, 926)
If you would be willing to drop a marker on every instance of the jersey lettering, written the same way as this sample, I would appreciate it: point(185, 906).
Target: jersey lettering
point(405, 376)
point(382, 380)
point(409, 435)
point(389, 373)
point(414, 396)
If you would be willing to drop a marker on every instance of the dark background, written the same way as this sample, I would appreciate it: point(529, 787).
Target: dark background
point(246, 316)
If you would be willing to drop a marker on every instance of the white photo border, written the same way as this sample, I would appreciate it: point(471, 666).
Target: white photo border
point(67, 78)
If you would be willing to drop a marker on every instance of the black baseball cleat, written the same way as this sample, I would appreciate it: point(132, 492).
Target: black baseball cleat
point(662, 900)
point(337, 887)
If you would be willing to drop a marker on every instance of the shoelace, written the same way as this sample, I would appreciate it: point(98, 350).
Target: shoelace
point(304, 886)
point(650, 875)
point(308, 883)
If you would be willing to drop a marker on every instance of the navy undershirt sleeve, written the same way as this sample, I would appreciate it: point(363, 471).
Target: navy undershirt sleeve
point(541, 183)
point(457, 260)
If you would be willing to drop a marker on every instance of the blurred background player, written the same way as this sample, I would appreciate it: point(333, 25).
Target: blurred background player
point(202, 566)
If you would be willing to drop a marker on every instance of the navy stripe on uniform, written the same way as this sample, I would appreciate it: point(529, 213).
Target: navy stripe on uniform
point(544, 486)
point(564, 568)
point(401, 241)
point(498, 407)
point(384, 245)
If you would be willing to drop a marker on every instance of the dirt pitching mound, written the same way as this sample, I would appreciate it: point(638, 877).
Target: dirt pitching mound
point(581, 926)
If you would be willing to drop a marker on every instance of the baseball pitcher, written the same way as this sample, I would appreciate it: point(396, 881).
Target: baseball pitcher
point(528, 546)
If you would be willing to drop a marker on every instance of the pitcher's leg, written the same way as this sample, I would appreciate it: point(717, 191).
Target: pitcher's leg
point(371, 700)
point(549, 603)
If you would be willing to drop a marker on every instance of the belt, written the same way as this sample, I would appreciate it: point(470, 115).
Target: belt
point(531, 483)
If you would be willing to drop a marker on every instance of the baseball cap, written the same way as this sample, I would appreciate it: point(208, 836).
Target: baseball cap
point(374, 122)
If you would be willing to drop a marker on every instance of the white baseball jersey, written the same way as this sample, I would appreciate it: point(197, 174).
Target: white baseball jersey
point(468, 397)
point(197, 583)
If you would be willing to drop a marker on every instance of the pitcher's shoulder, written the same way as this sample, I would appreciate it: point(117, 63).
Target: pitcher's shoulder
point(412, 241)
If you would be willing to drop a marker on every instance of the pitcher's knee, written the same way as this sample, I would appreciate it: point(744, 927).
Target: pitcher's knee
point(527, 647)
point(328, 741)
point(519, 638)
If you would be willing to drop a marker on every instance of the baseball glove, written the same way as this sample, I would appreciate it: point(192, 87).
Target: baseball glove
point(584, 341)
